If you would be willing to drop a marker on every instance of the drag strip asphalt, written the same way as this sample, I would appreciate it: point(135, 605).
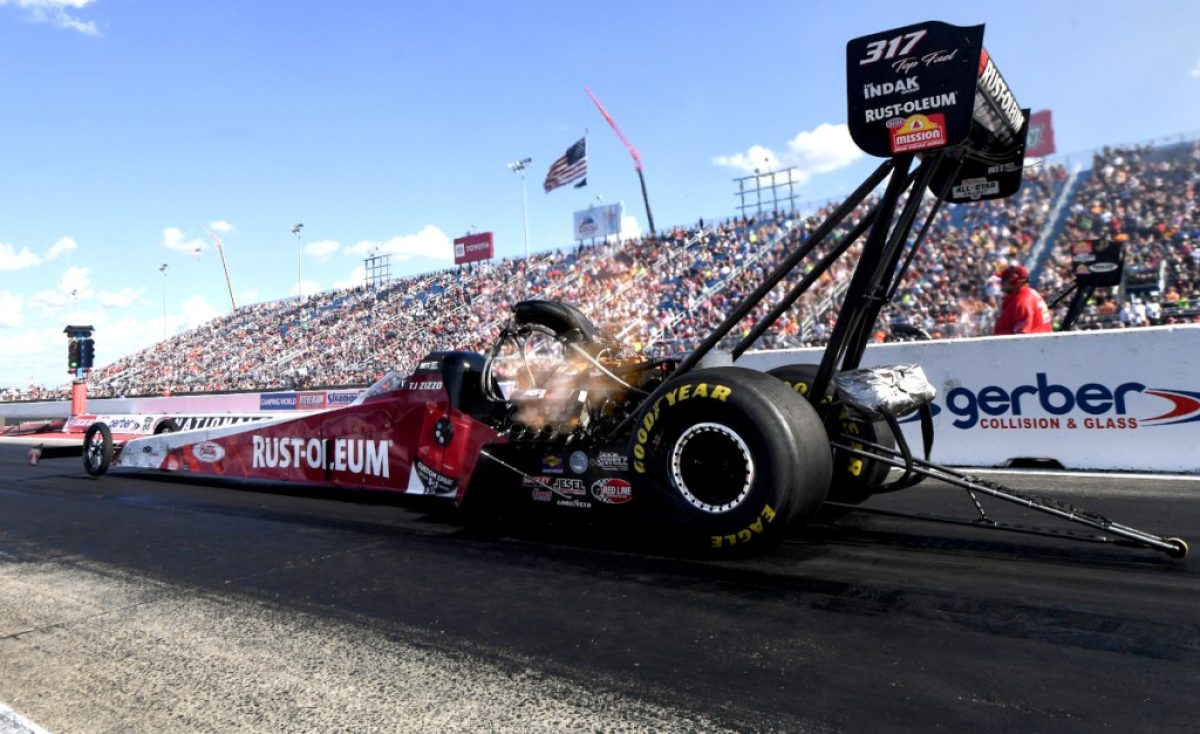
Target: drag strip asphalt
point(136, 603)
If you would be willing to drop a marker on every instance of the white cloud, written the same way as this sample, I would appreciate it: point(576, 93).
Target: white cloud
point(430, 242)
point(358, 276)
point(123, 298)
point(310, 287)
point(10, 259)
point(62, 247)
point(1195, 70)
point(74, 286)
point(55, 13)
point(221, 226)
point(175, 239)
point(821, 150)
point(10, 310)
point(197, 311)
point(322, 249)
point(630, 229)
point(76, 279)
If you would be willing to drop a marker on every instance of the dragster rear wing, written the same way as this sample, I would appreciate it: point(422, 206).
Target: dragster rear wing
point(932, 87)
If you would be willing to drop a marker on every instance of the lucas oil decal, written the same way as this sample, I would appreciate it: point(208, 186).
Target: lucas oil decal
point(353, 455)
point(918, 132)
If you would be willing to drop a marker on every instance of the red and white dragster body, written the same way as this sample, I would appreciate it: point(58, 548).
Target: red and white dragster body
point(401, 435)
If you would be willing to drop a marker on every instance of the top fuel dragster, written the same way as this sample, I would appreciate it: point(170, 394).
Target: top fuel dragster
point(558, 417)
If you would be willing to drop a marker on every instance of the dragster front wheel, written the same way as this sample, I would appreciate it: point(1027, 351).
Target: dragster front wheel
point(97, 449)
point(736, 456)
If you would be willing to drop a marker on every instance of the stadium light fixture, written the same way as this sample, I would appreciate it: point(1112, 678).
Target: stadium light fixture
point(519, 167)
point(163, 269)
point(299, 260)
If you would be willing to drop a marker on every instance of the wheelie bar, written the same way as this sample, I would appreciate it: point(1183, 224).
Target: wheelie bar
point(1172, 546)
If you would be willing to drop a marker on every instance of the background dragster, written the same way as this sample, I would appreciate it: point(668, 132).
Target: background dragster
point(555, 418)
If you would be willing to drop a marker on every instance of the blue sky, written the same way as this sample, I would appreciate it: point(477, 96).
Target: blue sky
point(129, 126)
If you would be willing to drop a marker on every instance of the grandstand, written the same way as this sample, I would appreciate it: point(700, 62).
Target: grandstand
point(664, 291)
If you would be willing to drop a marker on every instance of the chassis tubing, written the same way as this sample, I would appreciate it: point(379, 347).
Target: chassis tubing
point(1173, 547)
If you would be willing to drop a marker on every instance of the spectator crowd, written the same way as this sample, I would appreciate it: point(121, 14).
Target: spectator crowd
point(666, 291)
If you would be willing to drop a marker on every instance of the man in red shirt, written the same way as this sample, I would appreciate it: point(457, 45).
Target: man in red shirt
point(1024, 310)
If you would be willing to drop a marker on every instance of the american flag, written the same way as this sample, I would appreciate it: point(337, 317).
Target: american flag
point(572, 166)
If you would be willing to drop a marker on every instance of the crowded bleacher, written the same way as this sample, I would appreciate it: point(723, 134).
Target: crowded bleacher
point(663, 292)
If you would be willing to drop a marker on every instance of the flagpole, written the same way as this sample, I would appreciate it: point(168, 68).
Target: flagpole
point(637, 159)
point(519, 167)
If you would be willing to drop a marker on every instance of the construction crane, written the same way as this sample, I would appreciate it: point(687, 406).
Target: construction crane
point(221, 251)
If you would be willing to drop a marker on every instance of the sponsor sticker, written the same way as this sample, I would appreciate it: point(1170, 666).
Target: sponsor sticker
point(434, 482)
point(918, 132)
point(974, 188)
point(208, 452)
point(192, 422)
point(612, 461)
point(911, 107)
point(900, 86)
point(578, 461)
point(552, 464)
point(612, 491)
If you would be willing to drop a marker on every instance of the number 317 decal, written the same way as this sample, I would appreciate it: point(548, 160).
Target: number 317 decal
point(890, 48)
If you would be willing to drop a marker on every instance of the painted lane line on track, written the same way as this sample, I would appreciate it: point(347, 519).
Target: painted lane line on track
point(13, 723)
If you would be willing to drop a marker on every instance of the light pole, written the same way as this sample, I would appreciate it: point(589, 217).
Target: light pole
point(519, 167)
point(300, 261)
point(163, 269)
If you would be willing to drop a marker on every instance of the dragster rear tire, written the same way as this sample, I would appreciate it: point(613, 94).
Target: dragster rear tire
point(854, 478)
point(736, 455)
point(97, 449)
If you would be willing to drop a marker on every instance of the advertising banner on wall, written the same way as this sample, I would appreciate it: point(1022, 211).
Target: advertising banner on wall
point(473, 247)
point(1077, 398)
point(599, 221)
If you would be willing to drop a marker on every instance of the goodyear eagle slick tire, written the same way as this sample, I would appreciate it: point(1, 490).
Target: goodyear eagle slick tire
point(736, 456)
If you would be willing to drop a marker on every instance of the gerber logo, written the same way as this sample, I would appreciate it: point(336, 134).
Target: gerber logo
point(1054, 406)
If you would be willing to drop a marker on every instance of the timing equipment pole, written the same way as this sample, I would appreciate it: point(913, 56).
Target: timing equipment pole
point(637, 159)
